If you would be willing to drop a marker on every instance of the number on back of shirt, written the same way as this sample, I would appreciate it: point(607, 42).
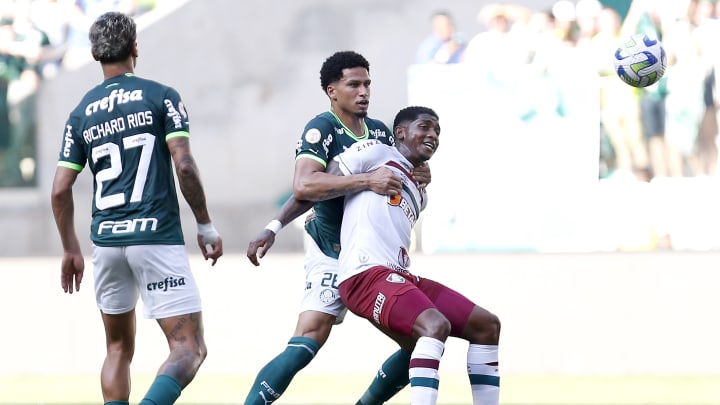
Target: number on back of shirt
point(147, 143)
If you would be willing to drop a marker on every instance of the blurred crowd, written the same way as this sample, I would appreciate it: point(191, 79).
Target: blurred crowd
point(37, 39)
point(665, 130)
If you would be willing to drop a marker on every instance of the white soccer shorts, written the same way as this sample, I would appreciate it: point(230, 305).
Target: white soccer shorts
point(321, 289)
point(160, 274)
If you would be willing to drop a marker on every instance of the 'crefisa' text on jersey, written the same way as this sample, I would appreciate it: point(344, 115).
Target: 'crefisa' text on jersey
point(120, 130)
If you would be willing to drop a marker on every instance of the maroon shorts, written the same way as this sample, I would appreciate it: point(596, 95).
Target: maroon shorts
point(395, 299)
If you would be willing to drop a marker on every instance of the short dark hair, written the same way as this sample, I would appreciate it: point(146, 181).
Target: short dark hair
point(112, 37)
point(411, 114)
point(332, 69)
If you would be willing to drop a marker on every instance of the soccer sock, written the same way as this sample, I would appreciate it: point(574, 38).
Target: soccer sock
point(163, 391)
point(424, 364)
point(390, 379)
point(482, 365)
point(117, 403)
point(275, 377)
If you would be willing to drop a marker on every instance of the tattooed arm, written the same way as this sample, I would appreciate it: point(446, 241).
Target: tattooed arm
point(192, 189)
point(189, 178)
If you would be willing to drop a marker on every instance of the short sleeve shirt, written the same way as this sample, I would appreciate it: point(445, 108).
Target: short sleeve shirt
point(325, 137)
point(376, 229)
point(119, 130)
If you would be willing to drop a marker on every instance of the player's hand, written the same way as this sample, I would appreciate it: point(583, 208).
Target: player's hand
point(71, 271)
point(210, 242)
point(258, 247)
point(211, 250)
point(422, 175)
point(385, 182)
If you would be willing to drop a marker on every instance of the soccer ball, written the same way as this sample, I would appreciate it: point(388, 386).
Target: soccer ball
point(640, 60)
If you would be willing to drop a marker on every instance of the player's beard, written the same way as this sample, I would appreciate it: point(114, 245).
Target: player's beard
point(361, 114)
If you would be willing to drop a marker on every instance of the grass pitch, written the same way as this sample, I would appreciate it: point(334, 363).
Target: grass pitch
point(345, 389)
point(560, 343)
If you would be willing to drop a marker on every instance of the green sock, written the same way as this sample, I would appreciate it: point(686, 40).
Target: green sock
point(163, 391)
point(390, 379)
point(275, 377)
point(117, 403)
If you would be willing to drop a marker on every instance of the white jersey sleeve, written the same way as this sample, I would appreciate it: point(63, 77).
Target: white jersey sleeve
point(364, 156)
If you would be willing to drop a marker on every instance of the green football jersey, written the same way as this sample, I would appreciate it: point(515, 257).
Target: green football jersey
point(325, 137)
point(119, 130)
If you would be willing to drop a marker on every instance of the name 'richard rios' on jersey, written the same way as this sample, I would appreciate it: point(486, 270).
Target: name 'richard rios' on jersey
point(120, 129)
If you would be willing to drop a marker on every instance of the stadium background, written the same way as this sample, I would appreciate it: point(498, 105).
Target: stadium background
point(580, 326)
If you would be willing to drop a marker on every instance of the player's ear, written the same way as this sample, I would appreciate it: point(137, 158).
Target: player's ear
point(330, 91)
point(135, 50)
point(400, 132)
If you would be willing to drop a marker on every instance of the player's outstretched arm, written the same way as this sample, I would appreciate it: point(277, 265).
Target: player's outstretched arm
point(63, 206)
point(313, 183)
point(290, 210)
point(192, 189)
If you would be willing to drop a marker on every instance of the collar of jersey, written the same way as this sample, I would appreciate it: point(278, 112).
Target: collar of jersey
point(109, 82)
point(349, 132)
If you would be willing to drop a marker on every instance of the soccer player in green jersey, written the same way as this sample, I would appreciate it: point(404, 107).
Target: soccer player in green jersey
point(345, 79)
point(128, 130)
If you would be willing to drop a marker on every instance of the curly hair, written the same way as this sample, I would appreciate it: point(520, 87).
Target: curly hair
point(409, 114)
point(112, 37)
point(332, 69)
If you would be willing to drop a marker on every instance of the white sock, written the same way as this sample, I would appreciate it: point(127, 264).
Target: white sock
point(424, 364)
point(482, 363)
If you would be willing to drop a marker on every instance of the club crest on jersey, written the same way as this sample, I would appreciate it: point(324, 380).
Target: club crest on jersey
point(327, 296)
point(312, 135)
point(395, 278)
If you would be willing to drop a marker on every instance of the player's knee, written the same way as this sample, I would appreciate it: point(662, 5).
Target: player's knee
point(485, 328)
point(432, 323)
point(493, 323)
point(202, 352)
point(121, 350)
point(185, 361)
point(443, 329)
point(199, 354)
point(315, 325)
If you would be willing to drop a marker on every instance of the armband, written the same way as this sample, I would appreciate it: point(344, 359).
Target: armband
point(274, 226)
